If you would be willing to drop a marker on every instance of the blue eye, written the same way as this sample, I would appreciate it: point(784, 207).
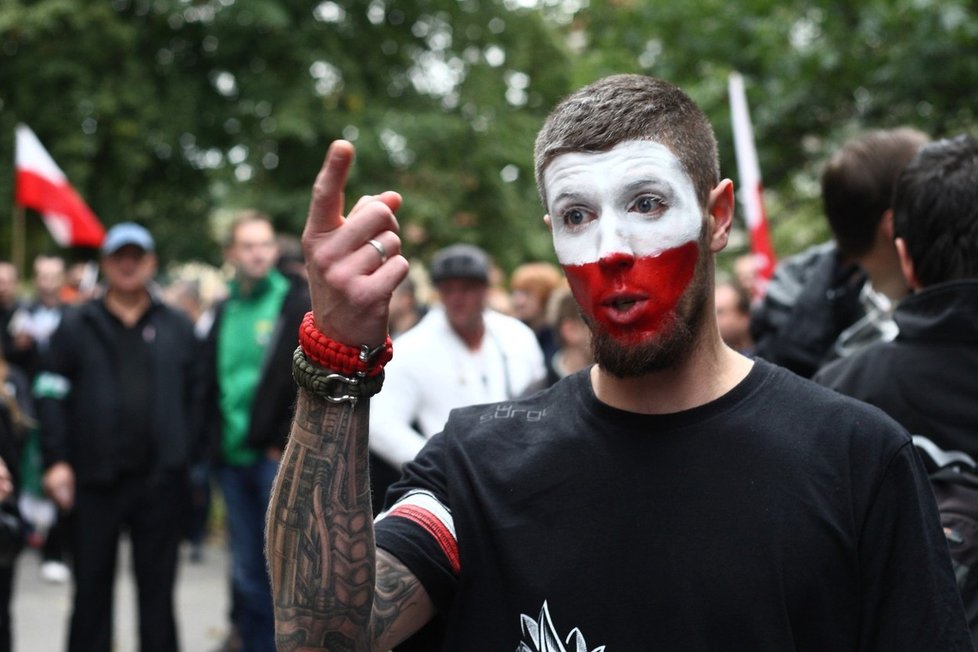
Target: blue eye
point(575, 217)
point(647, 204)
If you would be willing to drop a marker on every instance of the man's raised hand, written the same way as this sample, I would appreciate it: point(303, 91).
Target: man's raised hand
point(349, 281)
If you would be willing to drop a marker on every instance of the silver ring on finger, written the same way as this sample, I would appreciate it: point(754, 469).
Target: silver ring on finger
point(380, 249)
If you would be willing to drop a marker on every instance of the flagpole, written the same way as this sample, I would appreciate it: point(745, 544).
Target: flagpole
point(18, 230)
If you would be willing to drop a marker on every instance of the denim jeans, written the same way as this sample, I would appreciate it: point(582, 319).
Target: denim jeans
point(247, 490)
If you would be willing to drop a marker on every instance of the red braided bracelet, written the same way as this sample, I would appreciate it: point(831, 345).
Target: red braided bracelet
point(340, 358)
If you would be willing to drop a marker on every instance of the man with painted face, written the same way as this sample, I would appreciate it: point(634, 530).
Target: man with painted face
point(674, 496)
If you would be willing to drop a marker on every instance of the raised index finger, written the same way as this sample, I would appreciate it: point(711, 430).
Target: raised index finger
point(326, 207)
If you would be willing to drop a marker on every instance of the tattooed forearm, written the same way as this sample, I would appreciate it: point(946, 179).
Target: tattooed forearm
point(320, 543)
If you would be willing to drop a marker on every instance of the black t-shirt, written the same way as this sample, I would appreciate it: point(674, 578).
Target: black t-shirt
point(133, 358)
point(781, 516)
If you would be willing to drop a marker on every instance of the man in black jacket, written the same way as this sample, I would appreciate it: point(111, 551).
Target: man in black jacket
point(116, 394)
point(926, 378)
point(833, 298)
point(249, 402)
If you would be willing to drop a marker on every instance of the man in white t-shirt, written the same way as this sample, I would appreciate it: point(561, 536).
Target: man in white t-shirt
point(460, 354)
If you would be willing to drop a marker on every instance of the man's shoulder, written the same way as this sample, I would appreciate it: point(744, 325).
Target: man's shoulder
point(800, 401)
point(853, 372)
point(509, 330)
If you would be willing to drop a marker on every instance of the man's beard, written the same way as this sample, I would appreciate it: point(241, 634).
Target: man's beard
point(665, 350)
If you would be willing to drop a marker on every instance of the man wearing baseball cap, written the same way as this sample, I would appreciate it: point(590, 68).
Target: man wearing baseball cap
point(114, 398)
point(460, 353)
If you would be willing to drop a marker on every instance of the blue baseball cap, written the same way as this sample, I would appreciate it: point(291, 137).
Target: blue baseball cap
point(127, 233)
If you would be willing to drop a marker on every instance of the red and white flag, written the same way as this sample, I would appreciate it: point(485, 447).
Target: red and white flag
point(751, 189)
point(42, 186)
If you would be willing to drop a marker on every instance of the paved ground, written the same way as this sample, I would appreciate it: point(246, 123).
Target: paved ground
point(40, 610)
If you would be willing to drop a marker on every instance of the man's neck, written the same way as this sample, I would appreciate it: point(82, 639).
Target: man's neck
point(883, 269)
point(128, 307)
point(711, 370)
point(249, 285)
point(472, 337)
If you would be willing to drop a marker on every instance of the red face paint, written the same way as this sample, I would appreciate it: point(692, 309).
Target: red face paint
point(631, 297)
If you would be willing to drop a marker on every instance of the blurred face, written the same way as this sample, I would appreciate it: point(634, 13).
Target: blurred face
point(734, 325)
point(626, 226)
point(252, 251)
point(527, 306)
point(129, 269)
point(49, 276)
point(463, 300)
point(8, 283)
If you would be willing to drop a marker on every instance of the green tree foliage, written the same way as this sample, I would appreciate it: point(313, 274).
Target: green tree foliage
point(169, 111)
point(177, 112)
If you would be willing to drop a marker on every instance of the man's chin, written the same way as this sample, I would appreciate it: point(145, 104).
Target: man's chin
point(630, 357)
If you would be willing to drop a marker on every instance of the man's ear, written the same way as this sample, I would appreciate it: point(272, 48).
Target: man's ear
point(721, 210)
point(546, 220)
point(906, 264)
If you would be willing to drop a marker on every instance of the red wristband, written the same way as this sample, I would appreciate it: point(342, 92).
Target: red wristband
point(340, 358)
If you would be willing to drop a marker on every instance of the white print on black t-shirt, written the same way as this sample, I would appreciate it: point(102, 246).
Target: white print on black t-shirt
point(543, 636)
point(513, 412)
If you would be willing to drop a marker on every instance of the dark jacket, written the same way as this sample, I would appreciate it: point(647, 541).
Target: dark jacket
point(77, 391)
point(812, 298)
point(274, 404)
point(927, 378)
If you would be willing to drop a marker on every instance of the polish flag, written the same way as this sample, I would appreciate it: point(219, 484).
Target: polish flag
point(751, 190)
point(42, 186)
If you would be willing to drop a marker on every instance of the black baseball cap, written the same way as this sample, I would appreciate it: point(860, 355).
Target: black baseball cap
point(460, 261)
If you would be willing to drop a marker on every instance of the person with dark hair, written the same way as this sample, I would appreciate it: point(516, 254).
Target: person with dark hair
point(926, 378)
point(675, 495)
point(837, 297)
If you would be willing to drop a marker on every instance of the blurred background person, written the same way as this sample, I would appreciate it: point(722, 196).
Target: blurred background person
point(116, 395)
point(16, 421)
point(460, 353)
point(405, 308)
point(530, 286)
point(9, 303)
point(745, 272)
point(248, 402)
point(34, 322)
point(926, 378)
point(31, 327)
point(833, 298)
point(572, 336)
point(732, 302)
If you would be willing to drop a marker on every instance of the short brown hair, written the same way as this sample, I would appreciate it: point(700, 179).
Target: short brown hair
point(857, 184)
point(619, 108)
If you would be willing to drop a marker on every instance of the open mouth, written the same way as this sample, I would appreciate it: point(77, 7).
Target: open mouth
point(623, 303)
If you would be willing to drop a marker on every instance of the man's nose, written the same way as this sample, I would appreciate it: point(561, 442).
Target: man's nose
point(617, 262)
point(614, 238)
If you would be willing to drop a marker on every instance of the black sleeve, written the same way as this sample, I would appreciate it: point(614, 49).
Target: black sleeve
point(418, 527)
point(909, 599)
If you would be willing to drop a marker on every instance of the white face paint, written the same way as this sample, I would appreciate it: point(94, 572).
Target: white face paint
point(633, 199)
